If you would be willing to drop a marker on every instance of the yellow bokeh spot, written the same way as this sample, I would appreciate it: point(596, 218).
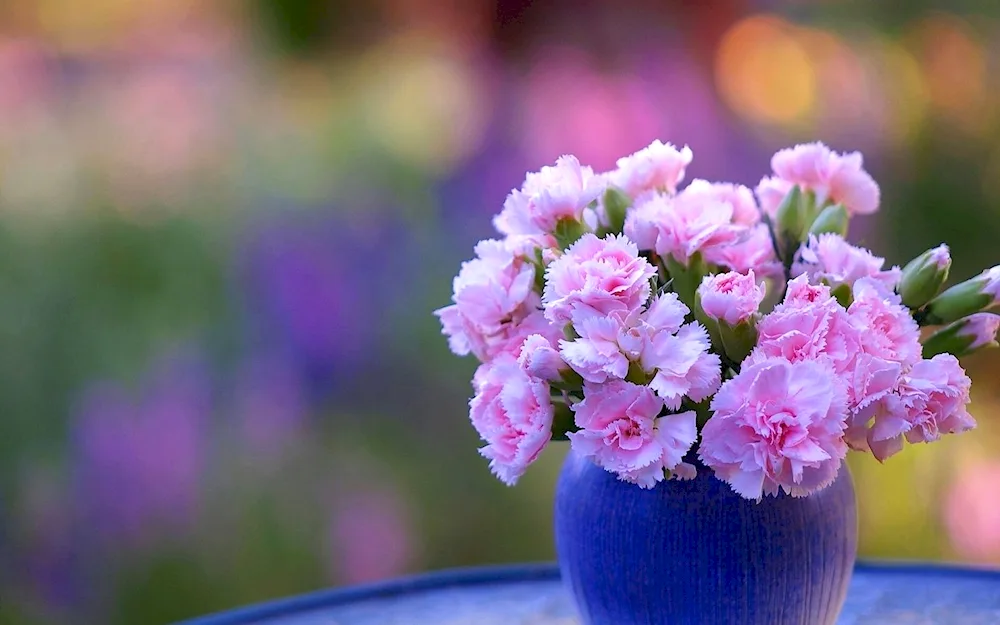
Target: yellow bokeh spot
point(422, 103)
point(906, 92)
point(764, 71)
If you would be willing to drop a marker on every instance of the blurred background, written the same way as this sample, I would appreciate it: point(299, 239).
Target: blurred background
point(224, 225)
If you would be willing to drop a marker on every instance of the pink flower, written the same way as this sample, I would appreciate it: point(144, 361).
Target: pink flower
point(740, 198)
point(730, 297)
point(513, 414)
point(808, 325)
point(596, 277)
point(777, 425)
point(656, 167)
point(888, 329)
point(682, 225)
point(682, 365)
point(752, 249)
point(867, 347)
point(607, 345)
point(675, 357)
point(555, 193)
point(931, 400)
point(801, 294)
point(830, 258)
point(491, 292)
point(835, 178)
point(539, 359)
point(597, 355)
point(621, 430)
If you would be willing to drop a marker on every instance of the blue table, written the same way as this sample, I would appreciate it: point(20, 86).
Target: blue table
point(881, 594)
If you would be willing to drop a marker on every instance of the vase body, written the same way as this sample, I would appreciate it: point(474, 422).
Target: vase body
point(696, 553)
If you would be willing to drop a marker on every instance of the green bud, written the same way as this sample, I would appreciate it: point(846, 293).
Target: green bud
point(794, 216)
point(711, 325)
point(923, 277)
point(964, 337)
point(739, 340)
point(616, 202)
point(832, 219)
point(568, 231)
point(790, 217)
point(965, 298)
point(687, 278)
point(736, 342)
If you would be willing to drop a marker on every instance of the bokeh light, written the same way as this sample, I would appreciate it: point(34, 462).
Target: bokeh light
point(764, 71)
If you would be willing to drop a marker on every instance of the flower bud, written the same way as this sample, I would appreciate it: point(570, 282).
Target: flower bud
point(540, 359)
point(966, 298)
point(923, 277)
point(964, 336)
point(615, 204)
point(790, 216)
point(730, 297)
point(832, 219)
point(686, 278)
point(728, 304)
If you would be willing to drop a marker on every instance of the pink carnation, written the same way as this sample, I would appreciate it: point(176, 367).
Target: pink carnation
point(830, 258)
point(556, 192)
point(513, 415)
point(835, 178)
point(777, 425)
point(888, 329)
point(596, 277)
point(867, 347)
point(656, 167)
point(808, 325)
point(597, 355)
point(740, 198)
point(540, 359)
point(682, 225)
point(491, 293)
point(674, 356)
point(730, 297)
point(682, 365)
point(931, 400)
point(621, 430)
point(752, 249)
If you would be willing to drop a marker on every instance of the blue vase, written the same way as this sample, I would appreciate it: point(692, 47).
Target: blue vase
point(696, 553)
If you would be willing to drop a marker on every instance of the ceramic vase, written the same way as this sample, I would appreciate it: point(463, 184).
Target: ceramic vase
point(696, 553)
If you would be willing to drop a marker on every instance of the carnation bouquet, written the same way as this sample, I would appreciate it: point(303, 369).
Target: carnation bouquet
point(664, 331)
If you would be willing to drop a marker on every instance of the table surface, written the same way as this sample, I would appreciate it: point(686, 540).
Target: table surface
point(880, 594)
